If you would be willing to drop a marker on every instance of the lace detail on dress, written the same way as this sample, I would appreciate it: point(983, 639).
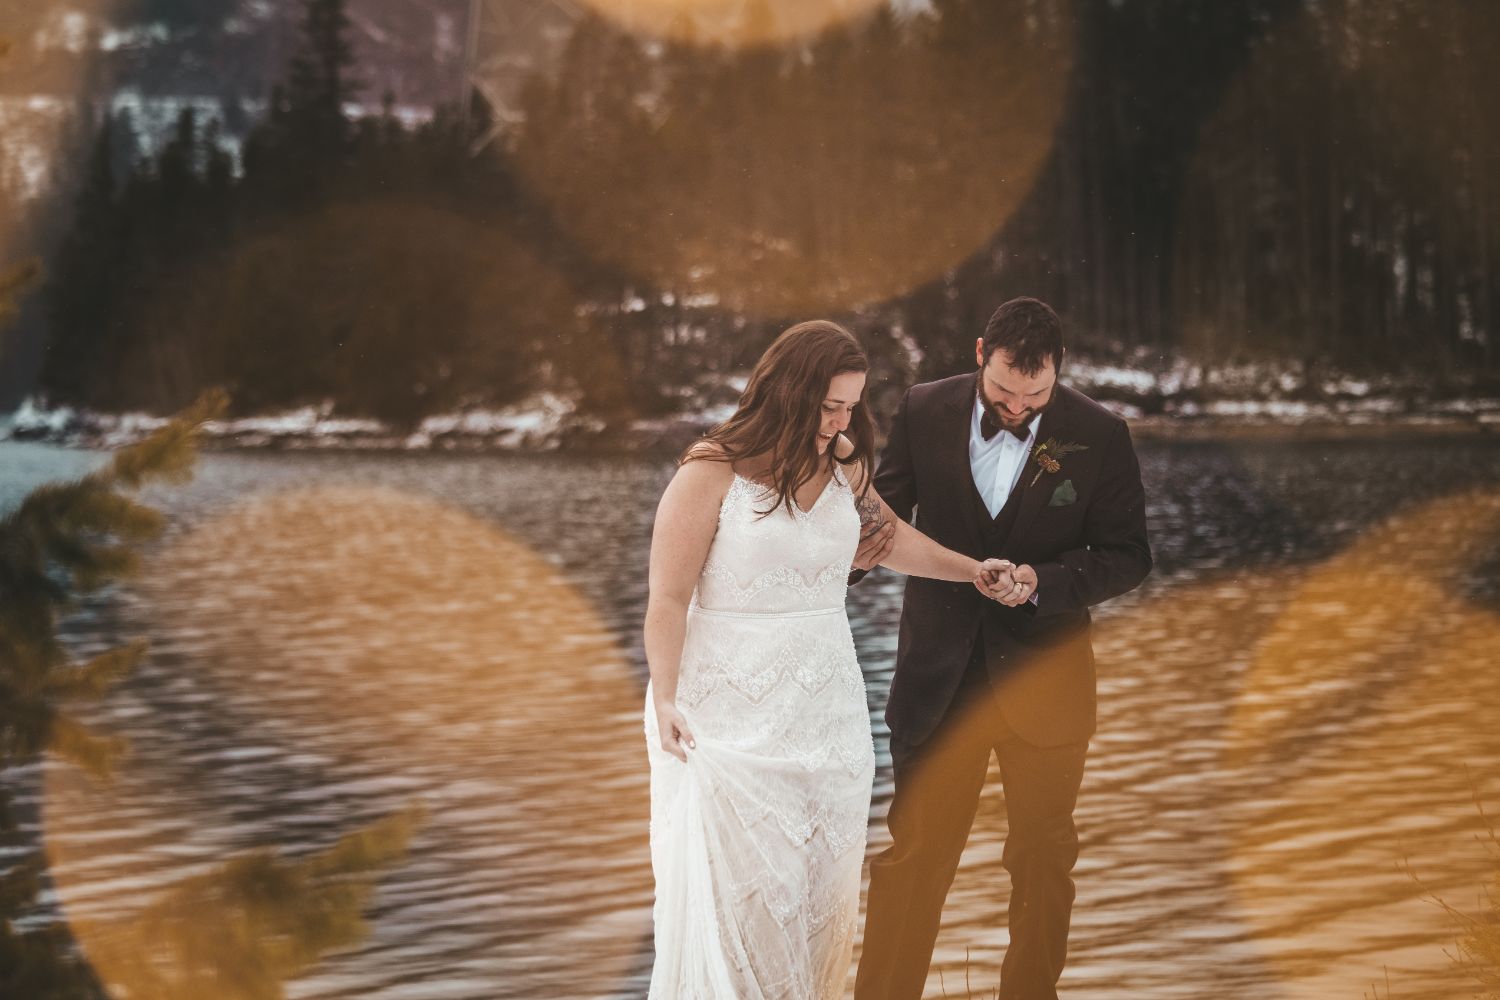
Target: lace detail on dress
point(749, 566)
point(757, 841)
point(810, 592)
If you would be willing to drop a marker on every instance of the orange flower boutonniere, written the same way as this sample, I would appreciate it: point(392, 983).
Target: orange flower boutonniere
point(1047, 456)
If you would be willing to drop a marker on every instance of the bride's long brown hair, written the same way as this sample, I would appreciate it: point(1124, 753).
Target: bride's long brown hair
point(780, 410)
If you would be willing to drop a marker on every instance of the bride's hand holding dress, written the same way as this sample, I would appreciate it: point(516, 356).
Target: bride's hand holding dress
point(686, 520)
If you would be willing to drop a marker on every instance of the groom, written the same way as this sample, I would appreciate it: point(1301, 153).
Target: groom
point(1004, 462)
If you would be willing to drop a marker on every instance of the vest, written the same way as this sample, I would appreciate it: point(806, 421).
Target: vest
point(995, 530)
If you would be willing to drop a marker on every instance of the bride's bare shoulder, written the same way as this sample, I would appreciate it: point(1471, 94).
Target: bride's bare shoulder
point(704, 470)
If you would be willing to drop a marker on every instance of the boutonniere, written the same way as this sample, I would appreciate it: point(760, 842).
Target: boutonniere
point(1048, 455)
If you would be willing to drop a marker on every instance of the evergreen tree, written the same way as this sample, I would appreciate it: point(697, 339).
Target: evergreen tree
point(88, 276)
point(319, 85)
point(298, 155)
point(177, 168)
point(218, 187)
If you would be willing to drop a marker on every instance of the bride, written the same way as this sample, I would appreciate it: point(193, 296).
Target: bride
point(757, 729)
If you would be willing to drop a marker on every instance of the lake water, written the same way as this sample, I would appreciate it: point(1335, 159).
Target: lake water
point(1299, 703)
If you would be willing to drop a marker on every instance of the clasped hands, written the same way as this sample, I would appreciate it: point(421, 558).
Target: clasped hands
point(1004, 581)
point(998, 579)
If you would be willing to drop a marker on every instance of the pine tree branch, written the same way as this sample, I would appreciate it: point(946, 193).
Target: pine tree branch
point(94, 678)
point(240, 931)
point(168, 454)
point(80, 746)
point(64, 540)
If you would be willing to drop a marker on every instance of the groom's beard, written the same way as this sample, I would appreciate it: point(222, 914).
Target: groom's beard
point(1007, 421)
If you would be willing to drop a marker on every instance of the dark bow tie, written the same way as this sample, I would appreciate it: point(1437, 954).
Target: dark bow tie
point(989, 427)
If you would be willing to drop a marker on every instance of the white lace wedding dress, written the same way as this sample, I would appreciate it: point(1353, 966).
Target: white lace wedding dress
point(757, 841)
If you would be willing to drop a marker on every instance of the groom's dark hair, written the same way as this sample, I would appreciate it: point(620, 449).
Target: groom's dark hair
point(1028, 331)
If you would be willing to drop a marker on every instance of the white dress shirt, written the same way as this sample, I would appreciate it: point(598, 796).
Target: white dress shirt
point(997, 463)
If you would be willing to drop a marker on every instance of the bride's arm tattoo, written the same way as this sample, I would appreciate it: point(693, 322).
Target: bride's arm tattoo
point(869, 514)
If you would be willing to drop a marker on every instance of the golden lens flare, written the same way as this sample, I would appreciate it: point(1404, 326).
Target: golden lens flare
point(1370, 703)
point(765, 183)
point(735, 23)
point(46, 58)
point(334, 654)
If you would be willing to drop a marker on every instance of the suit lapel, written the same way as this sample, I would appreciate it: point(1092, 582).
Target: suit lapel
point(1053, 424)
point(953, 439)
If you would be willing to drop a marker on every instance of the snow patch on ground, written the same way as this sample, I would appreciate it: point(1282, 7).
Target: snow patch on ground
point(539, 422)
point(1177, 393)
point(1082, 373)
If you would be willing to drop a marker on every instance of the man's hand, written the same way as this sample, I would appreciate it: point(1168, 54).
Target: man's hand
point(1023, 586)
point(994, 578)
point(1007, 583)
point(875, 545)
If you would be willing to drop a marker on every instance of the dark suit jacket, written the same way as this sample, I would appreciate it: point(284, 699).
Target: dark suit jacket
point(1040, 658)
